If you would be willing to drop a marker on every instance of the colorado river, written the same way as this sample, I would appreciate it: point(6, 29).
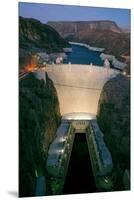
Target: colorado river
point(81, 55)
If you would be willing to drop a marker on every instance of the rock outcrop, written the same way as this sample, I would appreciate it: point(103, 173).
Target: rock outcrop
point(114, 120)
point(39, 117)
point(36, 37)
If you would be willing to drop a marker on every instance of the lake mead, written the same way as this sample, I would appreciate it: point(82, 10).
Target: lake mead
point(81, 55)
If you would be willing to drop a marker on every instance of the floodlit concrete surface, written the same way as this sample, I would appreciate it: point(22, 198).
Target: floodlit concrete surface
point(79, 86)
point(78, 116)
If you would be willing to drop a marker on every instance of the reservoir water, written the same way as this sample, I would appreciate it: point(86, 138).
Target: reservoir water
point(81, 55)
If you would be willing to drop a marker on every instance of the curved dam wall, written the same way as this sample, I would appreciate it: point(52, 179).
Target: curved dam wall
point(79, 86)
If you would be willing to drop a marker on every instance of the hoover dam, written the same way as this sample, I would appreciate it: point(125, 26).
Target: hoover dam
point(78, 89)
point(66, 101)
point(78, 86)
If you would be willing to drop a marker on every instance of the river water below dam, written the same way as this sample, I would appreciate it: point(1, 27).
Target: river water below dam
point(79, 177)
point(81, 55)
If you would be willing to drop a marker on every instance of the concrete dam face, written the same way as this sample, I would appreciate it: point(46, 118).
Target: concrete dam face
point(79, 86)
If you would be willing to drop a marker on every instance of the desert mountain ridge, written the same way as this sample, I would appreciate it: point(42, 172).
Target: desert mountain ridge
point(103, 33)
point(64, 27)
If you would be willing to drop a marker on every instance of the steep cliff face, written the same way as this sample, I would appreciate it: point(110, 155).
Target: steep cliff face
point(33, 36)
point(39, 117)
point(114, 120)
point(105, 34)
point(67, 28)
point(37, 37)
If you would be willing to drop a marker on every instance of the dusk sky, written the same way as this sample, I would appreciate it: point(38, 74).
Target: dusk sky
point(50, 12)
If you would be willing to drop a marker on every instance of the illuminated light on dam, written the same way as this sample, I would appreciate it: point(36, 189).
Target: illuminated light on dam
point(78, 116)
